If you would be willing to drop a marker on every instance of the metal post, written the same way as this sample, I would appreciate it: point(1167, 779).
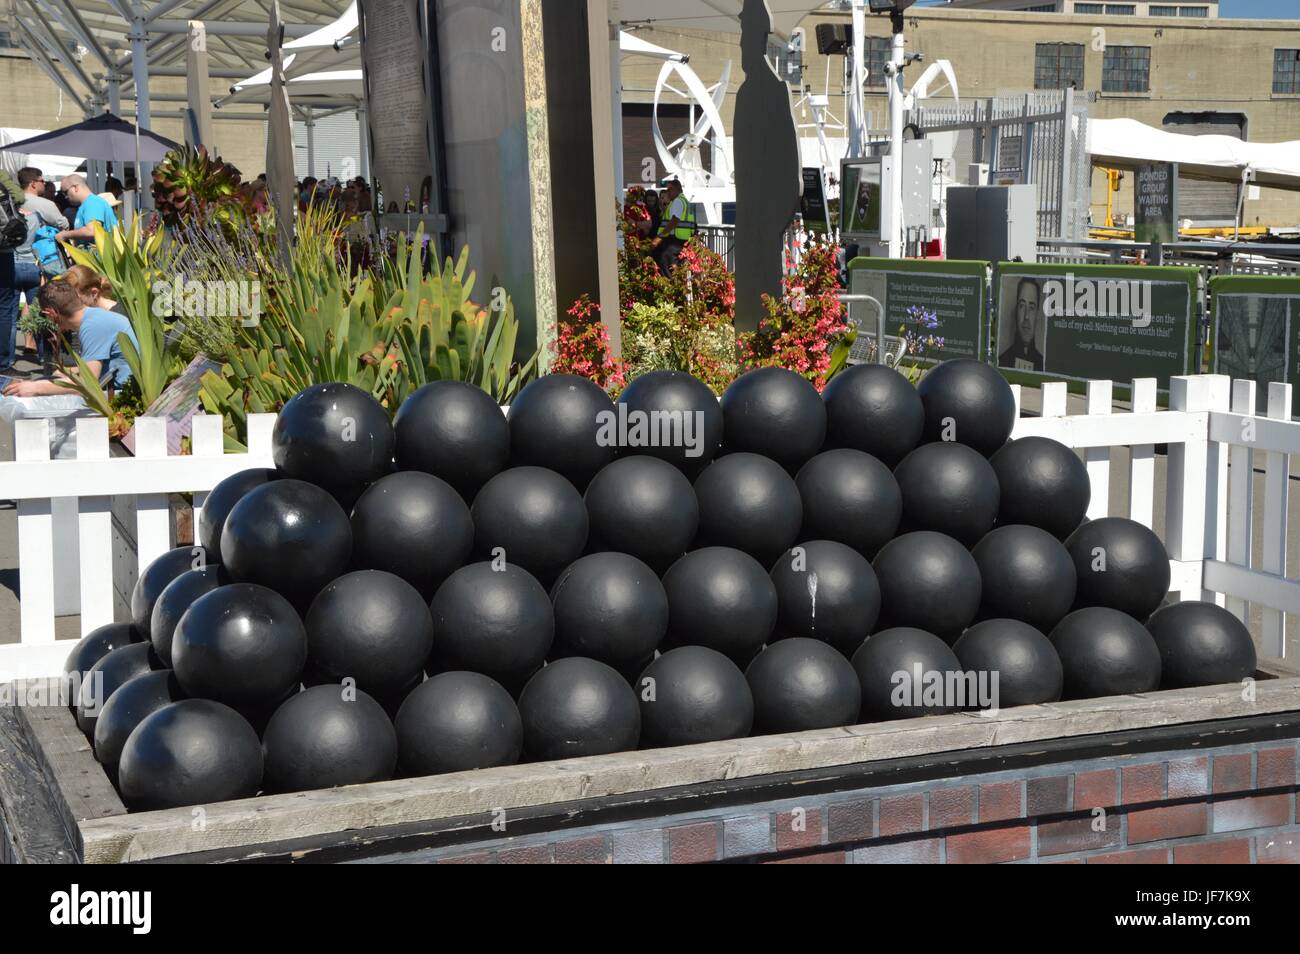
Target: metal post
point(857, 119)
point(139, 36)
point(363, 121)
point(115, 93)
point(309, 121)
point(616, 106)
point(896, 225)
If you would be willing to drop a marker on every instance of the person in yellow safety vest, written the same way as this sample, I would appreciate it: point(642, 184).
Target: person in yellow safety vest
point(677, 226)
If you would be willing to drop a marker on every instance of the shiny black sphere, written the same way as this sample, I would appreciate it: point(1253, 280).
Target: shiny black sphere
point(896, 666)
point(1201, 644)
point(802, 684)
point(927, 581)
point(776, 413)
point(645, 507)
point(576, 707)
point(413, 525)
point(675, 403)
point(320, 739)
point(242, 645)
point(456, 721)
point(749, 503)
point(1043, 484)
point(967, 401)
point(1105, 653)
point(720, 598)
point(826, 591)
point(1027, 574)
point(154, 578)
point(136, 699)
point(874, 409)
point(1120, 564)
point(609, 607)
point(556, 422)
point(497, 622)
point(192, 752)
point(175, 599)
point(288, 535)
point(1027, 666)
point(948, 488)
point(693, 694)
point(335, 436)
point(97, 644)
point(454, 431)
point(372, 627)
point(114, 670)
point(849, 496)
point(531, 517)
point(219, 501)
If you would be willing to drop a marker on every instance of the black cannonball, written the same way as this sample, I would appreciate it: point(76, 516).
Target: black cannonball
point(1105, 653)
point(1201, 644)
point(192, 752)
point(531, 517)
point(175, 599)
point(328, 736)
point(414, 525)
point(949, 488)
point(849, 496)
point(114, 670)
point(750, 503)
point(556, 422)
point(693, 694)
point(335, 436)
point(288, 535)
point(128, 707)
point(154, 578)
point(673, 403)
point(371, 627)
point(801, 684)
point(242, 645)
point(1025, 661)
point(967, 401)
point(454, 431)
point(1027, 574)
point(645, 507)
point(720, 598)
point(927, 581)
point(456, 721)
point(895, 668)
point(609, 607)
point(875, 409)
point(1120, 564)
point(774, 412)
point(495, 620)
point(97, 644)
point(576, 707)
point(826, 591)
point(1043, 484)
point(220, 500)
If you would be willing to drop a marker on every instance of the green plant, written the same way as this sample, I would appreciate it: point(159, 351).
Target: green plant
point(583, 347)
point(191, 183)
point(32, 321)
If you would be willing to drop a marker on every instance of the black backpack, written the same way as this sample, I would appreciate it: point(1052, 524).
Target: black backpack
point(13, 225)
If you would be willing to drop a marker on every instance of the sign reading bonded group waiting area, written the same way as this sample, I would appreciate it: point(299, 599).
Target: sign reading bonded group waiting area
point(935, 298)
point(1255, 323)
point(1077, 322)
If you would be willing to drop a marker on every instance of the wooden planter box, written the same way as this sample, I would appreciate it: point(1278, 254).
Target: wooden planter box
point(1190, 774)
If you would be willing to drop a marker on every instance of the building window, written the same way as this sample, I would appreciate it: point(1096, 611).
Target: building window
point(1194, 11)
point(877, 55)
point(1041, 8)
point(1157, 11)
point(1089, 8)
point(1126, 69)
point(1058, 65)
point(1120, 9)
point(7, 41)
point(1286, 71)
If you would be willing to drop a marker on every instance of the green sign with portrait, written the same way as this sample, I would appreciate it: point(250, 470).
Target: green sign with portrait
point(1255, 332)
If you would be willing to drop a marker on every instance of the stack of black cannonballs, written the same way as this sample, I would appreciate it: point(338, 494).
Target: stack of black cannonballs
point(460, 588)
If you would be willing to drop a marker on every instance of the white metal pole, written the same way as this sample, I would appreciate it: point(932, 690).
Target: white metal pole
point(616, 105)
point(363, 119)
point(857, 108)
point(310, 123)
point(139, 36)
point(895, 231)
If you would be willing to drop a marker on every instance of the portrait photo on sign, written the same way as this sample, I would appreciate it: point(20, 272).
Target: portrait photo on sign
point(1022, 328)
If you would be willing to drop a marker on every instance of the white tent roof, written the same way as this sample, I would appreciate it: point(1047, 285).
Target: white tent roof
point(629, 44)
point(1124, 143)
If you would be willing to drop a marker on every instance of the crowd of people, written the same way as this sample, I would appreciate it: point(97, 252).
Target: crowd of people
point(667, 221)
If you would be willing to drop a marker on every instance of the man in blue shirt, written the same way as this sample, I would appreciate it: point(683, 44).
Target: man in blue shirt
point(97, 335)
point(90, 209)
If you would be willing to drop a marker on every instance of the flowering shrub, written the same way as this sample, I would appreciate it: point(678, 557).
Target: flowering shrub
point(583, 347)
point(917, 337)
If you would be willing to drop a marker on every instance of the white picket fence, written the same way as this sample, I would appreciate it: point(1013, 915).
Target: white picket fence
point(1208, 516)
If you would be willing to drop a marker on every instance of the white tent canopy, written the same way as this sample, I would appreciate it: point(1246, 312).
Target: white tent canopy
point(720, 15)
point(1125, 143)
point(53, 167)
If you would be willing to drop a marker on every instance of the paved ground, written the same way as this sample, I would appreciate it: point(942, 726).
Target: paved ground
point(69, 627)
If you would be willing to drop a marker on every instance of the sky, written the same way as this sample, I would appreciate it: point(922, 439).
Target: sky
point(1237, 9)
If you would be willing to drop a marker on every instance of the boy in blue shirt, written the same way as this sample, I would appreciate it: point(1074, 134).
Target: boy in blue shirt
point(98, 345)
point(91, 208)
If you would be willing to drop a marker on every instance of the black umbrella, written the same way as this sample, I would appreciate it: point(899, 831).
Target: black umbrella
point(104, 137)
